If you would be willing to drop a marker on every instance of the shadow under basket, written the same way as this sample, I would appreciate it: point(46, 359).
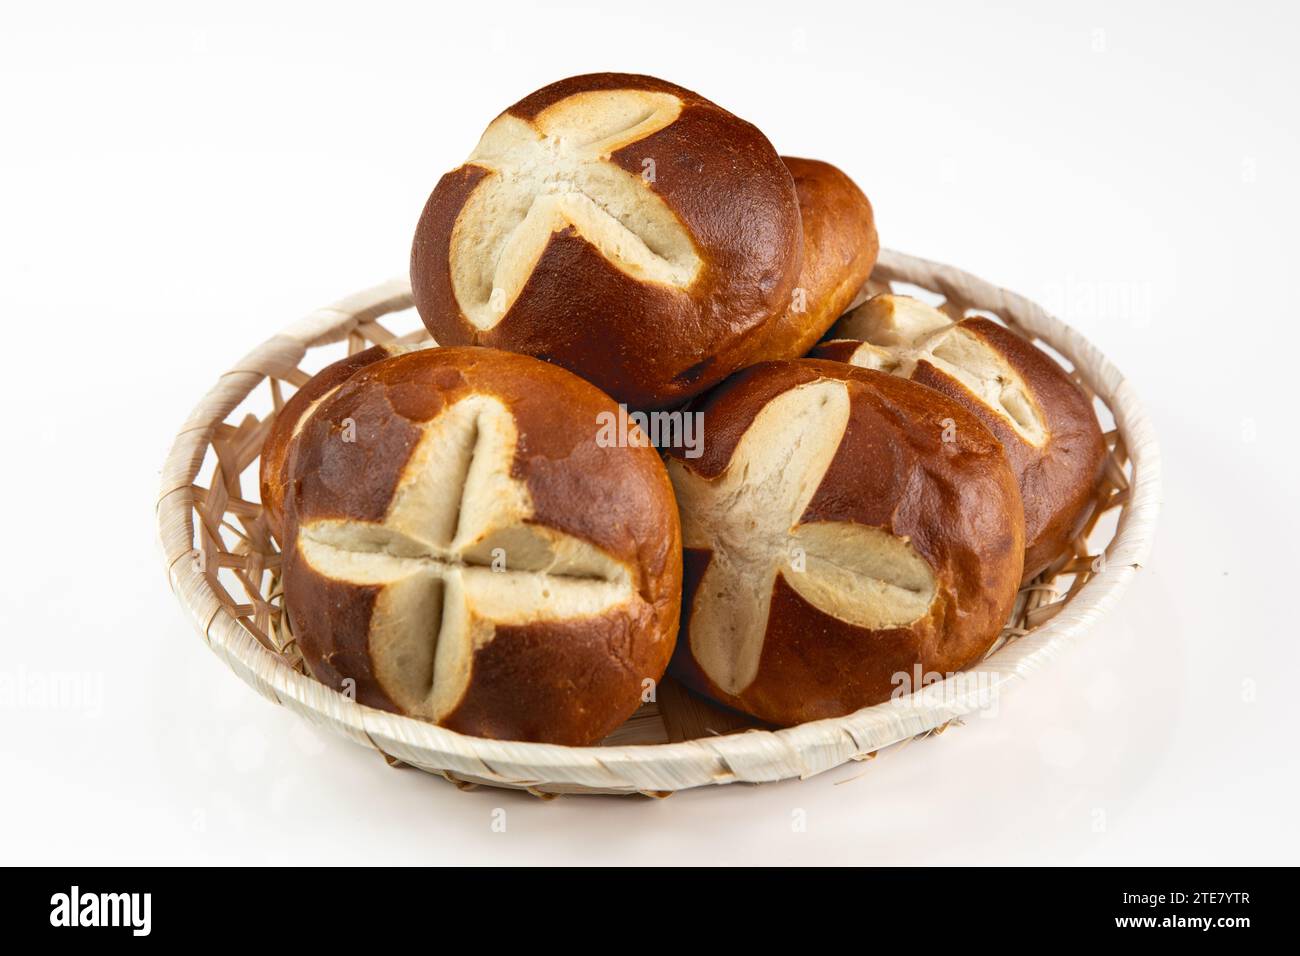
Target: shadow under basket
point(225, 569)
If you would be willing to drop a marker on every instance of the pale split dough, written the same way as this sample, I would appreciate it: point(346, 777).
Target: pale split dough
point(898, 331)
point(553, 172)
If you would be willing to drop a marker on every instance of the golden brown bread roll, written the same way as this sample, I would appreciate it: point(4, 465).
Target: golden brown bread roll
point(1044, 421)
point(841, 527)
point(274, 466)
point(464, 549)
point(839, 251)
point(617, 225)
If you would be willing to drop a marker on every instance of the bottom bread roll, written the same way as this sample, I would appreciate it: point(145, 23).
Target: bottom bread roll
point(1045, 423)
point(843, 529)
point(462, 547)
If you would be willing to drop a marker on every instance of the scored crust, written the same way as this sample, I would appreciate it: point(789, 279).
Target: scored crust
point(1045, 423)
point(620, 226)
point(842, 527)
point(464, 551)
point(273, 470)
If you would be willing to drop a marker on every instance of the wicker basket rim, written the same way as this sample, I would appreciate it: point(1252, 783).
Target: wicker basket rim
point(756, 755)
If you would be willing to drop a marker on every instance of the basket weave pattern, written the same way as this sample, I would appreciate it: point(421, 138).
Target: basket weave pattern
point(224, 568)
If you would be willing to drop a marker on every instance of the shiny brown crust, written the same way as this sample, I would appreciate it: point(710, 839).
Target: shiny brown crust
point(648, 345)
point(956, 501)
point(571, 681)
point(835, 350)
point(840, 246)
point(1056, 480)
point(274, 467)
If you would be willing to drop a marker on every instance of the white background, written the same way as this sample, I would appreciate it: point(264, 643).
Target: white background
point(175, 186)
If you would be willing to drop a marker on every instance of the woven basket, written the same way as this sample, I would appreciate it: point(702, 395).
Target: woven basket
point(224, 568)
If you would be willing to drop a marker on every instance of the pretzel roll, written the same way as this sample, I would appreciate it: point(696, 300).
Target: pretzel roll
point(839, 250)
point(1045, 423)
point(274, 467)
point(617, 225)
point(463, 548)
point(842, 529)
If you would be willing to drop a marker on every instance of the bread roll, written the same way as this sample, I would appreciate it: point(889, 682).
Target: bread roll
point(274, 466)
point(841, 529)
point(619, 226)
point(1043, 420)
point(463, 549)
point(839, 251)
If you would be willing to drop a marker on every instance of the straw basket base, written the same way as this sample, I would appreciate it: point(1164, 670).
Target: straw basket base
point(224, 568)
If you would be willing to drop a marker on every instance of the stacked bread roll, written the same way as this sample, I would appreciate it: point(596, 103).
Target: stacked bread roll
point(468, 541)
